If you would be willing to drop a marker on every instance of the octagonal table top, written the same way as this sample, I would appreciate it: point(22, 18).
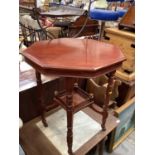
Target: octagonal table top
point(73, 57)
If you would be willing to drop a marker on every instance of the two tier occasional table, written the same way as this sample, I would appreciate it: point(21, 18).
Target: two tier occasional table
point(73, 59)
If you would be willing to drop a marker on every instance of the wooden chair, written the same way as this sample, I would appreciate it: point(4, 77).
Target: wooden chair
point(97, 86)
point(31, 30)
point(91, 27)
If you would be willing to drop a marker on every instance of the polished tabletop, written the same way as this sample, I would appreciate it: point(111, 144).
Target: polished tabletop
point(74, 57)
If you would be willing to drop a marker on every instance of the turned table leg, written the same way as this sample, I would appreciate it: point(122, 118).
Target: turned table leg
point(69, 100)
point(40, 98)
point(69, 128)
point(107, 98)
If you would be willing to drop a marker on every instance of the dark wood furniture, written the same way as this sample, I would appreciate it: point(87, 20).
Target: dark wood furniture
point(91, 27)
point(126, 91)
point(72, 59)
point(128, 21)
point(42, 146)
point(82, 26)
point(28, 104)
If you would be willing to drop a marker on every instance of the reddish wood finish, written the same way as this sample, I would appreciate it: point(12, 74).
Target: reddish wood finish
point(91, 27)
point(74, 58)
point(128, 21)
point(42, 107)
point(69, 101)
point(107, 98)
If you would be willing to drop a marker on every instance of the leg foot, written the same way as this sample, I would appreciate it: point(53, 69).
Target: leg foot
point(103, 127)
point(44, 121)
point(70, 131)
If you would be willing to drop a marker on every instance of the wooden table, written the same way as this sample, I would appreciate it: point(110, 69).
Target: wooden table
point(73, 59)
point(28, 103)
point(34, 141)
